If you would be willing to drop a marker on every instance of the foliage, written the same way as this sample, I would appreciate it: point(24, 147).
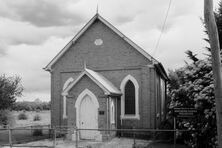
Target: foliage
point(166, 125)
point(192, 86)
point(22, 116)
point(10, 88)
point(218, 18)
point(31, 106)
point(37, 132)
point(36, 118)
point(6, 118)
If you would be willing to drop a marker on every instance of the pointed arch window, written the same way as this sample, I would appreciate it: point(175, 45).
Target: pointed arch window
point(66, 84)
point(130, 98)
point(130, 104)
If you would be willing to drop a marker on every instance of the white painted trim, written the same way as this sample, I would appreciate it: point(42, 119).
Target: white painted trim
point(122, 88)
point(68, 81)
point(97, 16)
point(55, 59)
point(112, 111)
point(106, 90)
point(64, 116)
point(66, 84)
point(78, 102)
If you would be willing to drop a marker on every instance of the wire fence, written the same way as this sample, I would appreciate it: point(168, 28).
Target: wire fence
point(15, 136)
point(21, 137)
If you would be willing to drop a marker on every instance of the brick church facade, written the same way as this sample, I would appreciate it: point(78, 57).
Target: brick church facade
point(101, 79)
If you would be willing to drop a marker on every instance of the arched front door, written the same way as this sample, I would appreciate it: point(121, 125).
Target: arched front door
point(88, 119)
point(87, 115)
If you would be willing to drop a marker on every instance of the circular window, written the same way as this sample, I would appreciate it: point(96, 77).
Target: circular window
point(98, 42)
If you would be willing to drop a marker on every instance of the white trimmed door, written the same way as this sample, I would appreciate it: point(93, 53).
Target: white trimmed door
point(88, 118)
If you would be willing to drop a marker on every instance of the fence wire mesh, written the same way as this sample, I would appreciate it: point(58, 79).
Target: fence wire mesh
point(63, 136)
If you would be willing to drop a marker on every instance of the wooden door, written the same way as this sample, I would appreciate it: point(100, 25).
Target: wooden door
point(87, 118)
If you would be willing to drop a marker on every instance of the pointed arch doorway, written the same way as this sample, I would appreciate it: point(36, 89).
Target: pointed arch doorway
point(87, 114)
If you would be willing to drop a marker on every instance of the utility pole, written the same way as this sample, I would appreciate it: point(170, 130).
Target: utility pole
point(216, 63)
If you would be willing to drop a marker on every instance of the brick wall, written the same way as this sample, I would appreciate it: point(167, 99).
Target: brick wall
point(114, 59)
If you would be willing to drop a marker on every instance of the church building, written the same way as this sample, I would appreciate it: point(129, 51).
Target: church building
point(103, 80)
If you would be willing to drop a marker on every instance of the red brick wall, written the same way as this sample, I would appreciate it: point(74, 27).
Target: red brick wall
point(114, 59)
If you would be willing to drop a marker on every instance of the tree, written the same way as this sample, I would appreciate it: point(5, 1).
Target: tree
point(10, 88)
point(192, 86)
point(192, 56)
point(212, 30)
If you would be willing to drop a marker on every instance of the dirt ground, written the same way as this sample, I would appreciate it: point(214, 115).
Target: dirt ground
point(114, 143)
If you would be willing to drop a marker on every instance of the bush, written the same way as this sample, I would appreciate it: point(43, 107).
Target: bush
point(37, 118)
point(165, 125)
point(22, 116)
point(6, 118)
point(37, 132)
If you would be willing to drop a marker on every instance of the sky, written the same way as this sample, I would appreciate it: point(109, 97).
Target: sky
point(32, 32)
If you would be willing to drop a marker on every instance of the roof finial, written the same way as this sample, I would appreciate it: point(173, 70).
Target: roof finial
point(97, 8)
point(84, 64)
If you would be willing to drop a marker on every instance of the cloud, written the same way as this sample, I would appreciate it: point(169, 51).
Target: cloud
point(124, 19)
point(17, 33)
point(34, 31)
point(40, 13)
point(27, 62)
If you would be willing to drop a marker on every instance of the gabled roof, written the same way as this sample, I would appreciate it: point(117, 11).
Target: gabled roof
point(99, 79)
point(97, 16)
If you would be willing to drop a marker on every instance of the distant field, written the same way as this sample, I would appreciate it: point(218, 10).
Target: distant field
point(44, 115)
point(24, 135)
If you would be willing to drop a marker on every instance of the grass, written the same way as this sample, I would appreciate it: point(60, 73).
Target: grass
point(44, 115)
point(20, 136)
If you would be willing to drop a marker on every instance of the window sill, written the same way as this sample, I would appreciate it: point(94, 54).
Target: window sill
point(136, 117)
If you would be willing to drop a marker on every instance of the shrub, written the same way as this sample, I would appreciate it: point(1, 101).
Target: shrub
point(36, 118)
point(6, 118)
point(22, 116)
point(37, 132)
point(163, 135)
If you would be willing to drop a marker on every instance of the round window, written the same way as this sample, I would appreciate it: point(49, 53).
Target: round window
point(98, 42)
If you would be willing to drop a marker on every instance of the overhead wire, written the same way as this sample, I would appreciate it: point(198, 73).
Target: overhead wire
point(162, 29)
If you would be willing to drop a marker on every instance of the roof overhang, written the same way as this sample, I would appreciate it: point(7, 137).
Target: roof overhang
point(159, 67)
point(108, 88)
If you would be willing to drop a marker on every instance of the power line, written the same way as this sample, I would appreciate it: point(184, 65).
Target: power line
point(162, 29)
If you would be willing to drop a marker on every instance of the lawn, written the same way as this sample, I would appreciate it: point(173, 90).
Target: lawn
point(44, 115)
point(23, 136)
point(20, 136)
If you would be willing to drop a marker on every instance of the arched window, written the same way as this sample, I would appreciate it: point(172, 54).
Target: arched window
point(66, 84)
point(130, 103)
point(112, 112)
point(130, 98)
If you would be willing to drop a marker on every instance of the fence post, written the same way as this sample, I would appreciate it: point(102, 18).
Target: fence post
point(134, 138)
point(31, 132)
point(174, 141)
point(10, 136)
point(76, 137)
point(54, 141)
point(49, 131)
